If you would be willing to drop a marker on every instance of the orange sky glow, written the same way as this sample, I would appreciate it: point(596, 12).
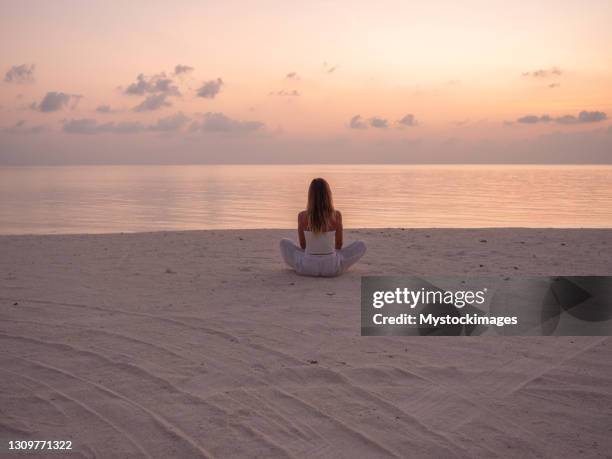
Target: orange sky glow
point(245, 81)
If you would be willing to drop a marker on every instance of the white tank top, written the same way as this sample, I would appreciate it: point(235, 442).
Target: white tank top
point(320, 243)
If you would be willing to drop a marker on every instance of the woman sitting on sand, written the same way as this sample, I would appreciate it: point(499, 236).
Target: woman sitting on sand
point(320, 232)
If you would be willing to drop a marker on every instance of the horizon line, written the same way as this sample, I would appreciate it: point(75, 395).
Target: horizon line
point(303, 164)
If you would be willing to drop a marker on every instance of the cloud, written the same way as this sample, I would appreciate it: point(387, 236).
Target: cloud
point(408, 120)
point(91, 126)
point(153, 102)
point(157, 88)
point(544, 73)
point(55, 101)
point(533, 119)
point(357, 122)
point(379, 123)
point(124, 127)
point(21, 127)
point(179, 69)
point(554, 85)
point(104, 109)
point(328, 68)
point(155, 84)
point(583, 117)
point(218, 122)
point(80, 126)
point(20, 74)
point(170, 123)
point(591, 117)
point(282, 92)
point(210, 89)
point(292, 76)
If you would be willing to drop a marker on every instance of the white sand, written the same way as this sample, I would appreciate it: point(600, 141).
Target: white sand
point(192, 344)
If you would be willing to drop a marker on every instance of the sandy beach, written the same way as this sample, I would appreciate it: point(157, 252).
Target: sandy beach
point(202, 344)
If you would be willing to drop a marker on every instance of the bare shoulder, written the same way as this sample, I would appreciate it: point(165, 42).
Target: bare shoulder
point(337, 220)
point(302, 216)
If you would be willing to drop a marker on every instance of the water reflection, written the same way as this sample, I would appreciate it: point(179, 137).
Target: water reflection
point(83, 199)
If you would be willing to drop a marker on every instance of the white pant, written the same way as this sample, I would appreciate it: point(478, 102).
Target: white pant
point(321, 265)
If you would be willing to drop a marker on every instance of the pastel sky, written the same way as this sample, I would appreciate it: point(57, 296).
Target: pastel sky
point(309, 82)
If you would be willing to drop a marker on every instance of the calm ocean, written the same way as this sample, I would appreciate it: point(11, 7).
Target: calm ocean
point(100, 199)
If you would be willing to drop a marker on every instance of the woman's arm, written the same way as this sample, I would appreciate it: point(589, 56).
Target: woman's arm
point(339, 230)
point(301, 225)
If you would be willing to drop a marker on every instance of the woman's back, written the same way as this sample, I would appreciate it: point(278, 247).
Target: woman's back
point(320, 243)
point(333, 230)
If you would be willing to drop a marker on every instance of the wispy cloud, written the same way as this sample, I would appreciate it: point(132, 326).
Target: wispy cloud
point(153, 102)
point(292, 76)
point(181, 69)
point(170, 123)
point(378, 123)
point(218, 122)
point(533, 119)
point(285, 93)
point(407, 120)
point(80, 126)
point(91, 126)
point(328, 68)
point(104, 108)
point(20, 74)
point(55, 101)
point(357, 122)
point(210, 89)
point(583, 117)
point(22, 127)
point(159, 83)
point(544, 73)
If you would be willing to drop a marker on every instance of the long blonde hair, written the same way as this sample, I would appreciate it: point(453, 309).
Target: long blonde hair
point(320, 208)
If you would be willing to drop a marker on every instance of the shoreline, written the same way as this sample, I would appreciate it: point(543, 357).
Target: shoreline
point(356, 230)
